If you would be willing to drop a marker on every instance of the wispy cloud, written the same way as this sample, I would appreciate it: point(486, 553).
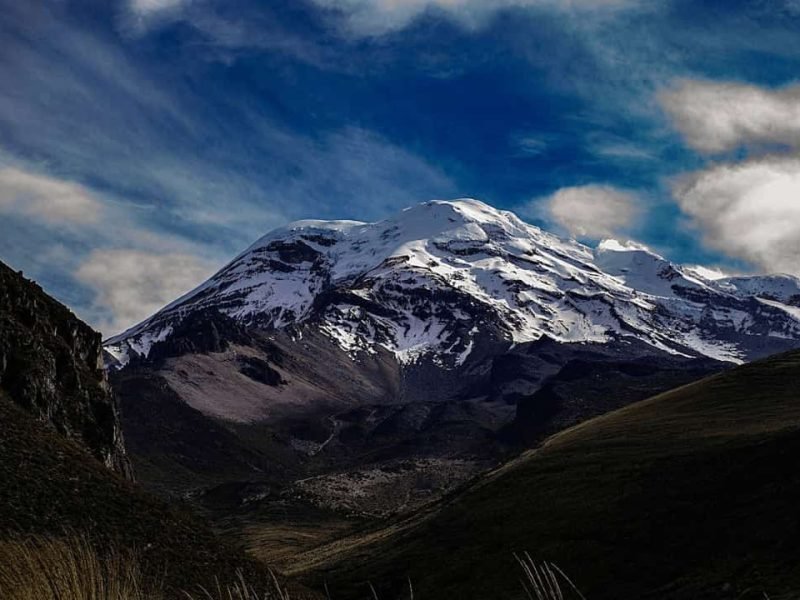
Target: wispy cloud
point(226, 30)
point(613, 147)
point(46, 198)
point(136, 160)
point(145, 7)
point(531, 144)
point(377, 17)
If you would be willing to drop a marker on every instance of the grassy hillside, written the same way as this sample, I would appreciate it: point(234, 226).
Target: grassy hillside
point(692, 494)
point(52, 486)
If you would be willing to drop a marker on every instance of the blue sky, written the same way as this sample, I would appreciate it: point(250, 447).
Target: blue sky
point(145, 142)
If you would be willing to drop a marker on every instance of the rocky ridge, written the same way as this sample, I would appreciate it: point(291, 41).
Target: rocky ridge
point(51, 365)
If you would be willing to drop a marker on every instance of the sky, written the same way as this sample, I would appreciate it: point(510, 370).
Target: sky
point(143, 143)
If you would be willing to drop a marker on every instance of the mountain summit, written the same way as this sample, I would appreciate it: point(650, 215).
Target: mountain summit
point(432, 281)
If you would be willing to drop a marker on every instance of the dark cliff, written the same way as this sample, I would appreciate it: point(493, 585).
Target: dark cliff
point(51, 366)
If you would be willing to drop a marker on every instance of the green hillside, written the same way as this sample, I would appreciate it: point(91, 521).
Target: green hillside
point(691, 494)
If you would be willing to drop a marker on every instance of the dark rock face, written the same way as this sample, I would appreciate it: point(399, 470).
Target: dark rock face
point(200, 333)
point(51, 365)
point(293, 252)
point(260, 371)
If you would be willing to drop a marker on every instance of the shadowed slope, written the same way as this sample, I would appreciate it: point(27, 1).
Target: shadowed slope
point(53, 487)
point(690, 494)
point(51, 365)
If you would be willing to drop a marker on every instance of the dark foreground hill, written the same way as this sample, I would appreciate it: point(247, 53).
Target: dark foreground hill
point(50, 486)
point(51, 365)
point(691, 494)
point(64, 472)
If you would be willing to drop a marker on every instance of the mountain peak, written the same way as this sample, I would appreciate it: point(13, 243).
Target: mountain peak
point(430, 280)
point(642, 269)
point(440, 220)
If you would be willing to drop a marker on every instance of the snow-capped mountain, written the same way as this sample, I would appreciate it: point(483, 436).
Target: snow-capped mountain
point(442, 336)
point(437, 278)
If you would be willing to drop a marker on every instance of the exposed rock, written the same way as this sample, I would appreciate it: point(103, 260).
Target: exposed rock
point(199, 333)
point(51, 365)
point(258, 369)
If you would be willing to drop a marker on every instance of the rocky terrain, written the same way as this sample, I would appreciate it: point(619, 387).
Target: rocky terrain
point(51, 366)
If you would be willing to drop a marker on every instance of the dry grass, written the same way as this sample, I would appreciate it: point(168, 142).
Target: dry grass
point(543, 580)
point(68, 569)
point(241, 590)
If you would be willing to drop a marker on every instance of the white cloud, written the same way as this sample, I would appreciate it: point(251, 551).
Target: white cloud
point(131, 285)
point(377, 17)
point(147, 7)
point(749, 211)
point(722, 116)
point(593, 211)
point(47, 199)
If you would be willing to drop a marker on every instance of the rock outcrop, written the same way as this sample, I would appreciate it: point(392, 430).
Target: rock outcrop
point(51, 365)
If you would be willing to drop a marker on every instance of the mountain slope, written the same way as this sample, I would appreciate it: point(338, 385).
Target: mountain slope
point(51, 365)
point(691, 494)
point(52, 486)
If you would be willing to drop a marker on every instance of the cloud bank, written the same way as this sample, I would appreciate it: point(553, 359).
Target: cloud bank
point(593, 211)
point(749, 211)
point(718, 117)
